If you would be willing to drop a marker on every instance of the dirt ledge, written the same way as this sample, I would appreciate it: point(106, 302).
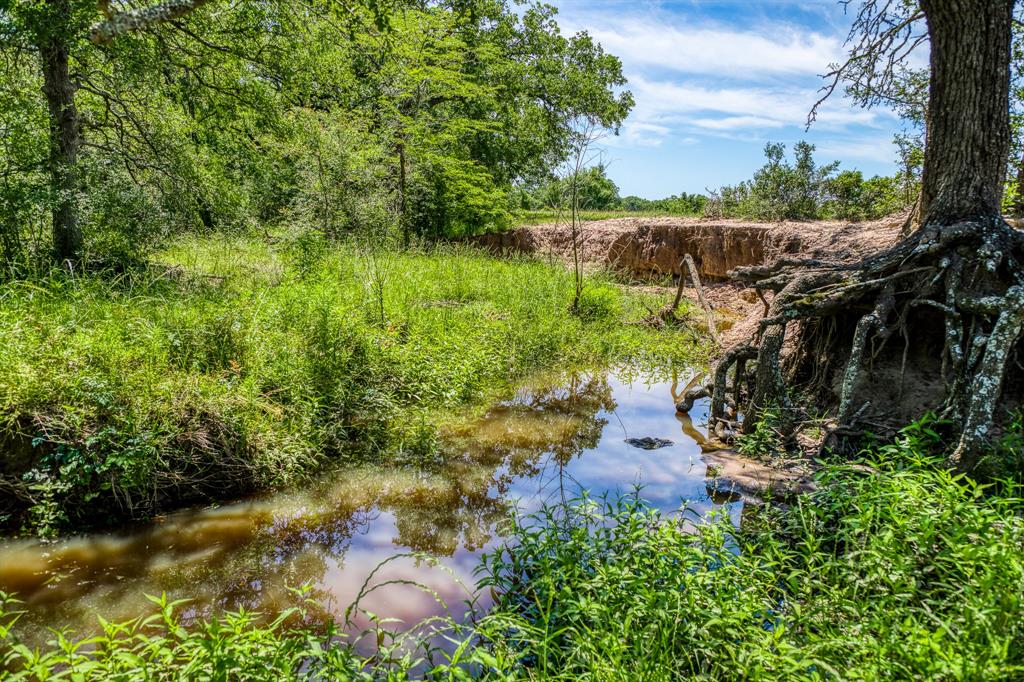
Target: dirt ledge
point(652, 248)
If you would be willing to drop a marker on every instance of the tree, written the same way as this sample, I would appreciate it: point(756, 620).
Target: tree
point(55, 27)
point(190, 115)
point(953, 290)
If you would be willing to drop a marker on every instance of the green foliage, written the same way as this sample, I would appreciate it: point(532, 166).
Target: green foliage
point(595, 192)
point(599, 302)
point(234, 646)
point(234, 365)
point(803, 190)
point(851, 197)
point(1006, 461)
point(598, 196)
point(681, 204)
point(886, 572)
point(336, 119)
point(766, 440)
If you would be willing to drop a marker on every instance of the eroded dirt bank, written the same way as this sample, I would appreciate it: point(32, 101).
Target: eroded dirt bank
point(648, 251)
point(651, 248)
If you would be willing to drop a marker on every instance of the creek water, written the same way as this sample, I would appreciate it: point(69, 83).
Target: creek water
point(556, 436)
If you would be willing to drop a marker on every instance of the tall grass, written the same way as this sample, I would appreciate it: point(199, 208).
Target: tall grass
point(894, 569)
point(237, 365)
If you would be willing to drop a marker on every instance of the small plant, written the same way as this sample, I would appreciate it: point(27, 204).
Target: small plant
point(766, 440)
point(1006, 460)
point(599, 303)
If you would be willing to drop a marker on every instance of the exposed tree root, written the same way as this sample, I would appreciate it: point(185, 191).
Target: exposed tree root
point(953, 293)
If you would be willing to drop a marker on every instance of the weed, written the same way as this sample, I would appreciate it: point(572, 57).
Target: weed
point(237, 365)
point(766, 440)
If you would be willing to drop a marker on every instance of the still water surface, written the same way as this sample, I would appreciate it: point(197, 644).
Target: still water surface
point(553, 438)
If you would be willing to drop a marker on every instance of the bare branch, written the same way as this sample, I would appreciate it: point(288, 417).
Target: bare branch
point(883, 36)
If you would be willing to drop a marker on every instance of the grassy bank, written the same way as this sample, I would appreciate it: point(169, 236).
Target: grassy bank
point(894, 569)
point(234, 365)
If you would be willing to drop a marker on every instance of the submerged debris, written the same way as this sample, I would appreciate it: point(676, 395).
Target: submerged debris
point(648, 443)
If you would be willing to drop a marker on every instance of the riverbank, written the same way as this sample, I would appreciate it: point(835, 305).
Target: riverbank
point(233, 365)
point(892, 569)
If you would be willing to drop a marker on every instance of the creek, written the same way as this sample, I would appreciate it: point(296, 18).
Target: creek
point(551, 439)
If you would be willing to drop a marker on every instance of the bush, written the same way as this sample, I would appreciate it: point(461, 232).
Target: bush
point(599, 302)
point(803, 190)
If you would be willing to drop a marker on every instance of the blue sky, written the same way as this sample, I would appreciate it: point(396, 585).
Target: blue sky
point(714, 80)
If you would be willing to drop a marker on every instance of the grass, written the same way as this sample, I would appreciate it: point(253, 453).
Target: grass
point(894, 569)
point(540, 217)
point(236, 365)
point(897, 571)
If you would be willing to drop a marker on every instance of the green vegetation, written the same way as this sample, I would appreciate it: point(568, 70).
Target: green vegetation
point(544, 216)
point(345, 117)
point(893, 569)
point(803, 190)
point(779, 190)
point(235, 365)
point(598, 197)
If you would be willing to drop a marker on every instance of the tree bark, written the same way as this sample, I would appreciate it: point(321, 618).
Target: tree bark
point(65, 134)
point(964, 263)
point(968, 109)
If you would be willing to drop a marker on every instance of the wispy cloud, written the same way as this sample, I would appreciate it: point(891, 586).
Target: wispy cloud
point(681, 103)
point(725, 76)
point(880, 149)
point(718, 52)
point(695, 73)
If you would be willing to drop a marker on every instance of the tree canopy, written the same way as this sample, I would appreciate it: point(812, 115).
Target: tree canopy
point(131, 122)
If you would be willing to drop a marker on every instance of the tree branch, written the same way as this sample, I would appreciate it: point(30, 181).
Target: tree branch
point(119, 23)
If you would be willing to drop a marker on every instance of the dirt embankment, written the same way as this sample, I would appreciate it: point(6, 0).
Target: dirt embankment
point(648, 251)
point(652, 248)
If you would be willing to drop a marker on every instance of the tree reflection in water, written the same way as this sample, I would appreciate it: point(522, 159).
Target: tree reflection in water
point(248, 554)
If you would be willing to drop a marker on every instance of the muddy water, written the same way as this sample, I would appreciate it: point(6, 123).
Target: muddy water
point(550, 440)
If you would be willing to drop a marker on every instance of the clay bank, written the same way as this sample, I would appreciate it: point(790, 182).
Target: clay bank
point(651, 248)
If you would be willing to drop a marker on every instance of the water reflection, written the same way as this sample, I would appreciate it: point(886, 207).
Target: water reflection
point(553, 438)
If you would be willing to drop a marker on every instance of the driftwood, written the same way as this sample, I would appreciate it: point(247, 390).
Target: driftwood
point(659, 318)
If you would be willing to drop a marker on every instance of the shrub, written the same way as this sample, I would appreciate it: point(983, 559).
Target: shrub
point(599, 302)
point(802, 190)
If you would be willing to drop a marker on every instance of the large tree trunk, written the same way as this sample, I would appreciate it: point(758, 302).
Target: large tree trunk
point(951, 291)
point(968, 109)
point(65, 134)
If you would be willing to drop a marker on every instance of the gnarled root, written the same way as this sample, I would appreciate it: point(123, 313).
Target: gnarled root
point(955, 293)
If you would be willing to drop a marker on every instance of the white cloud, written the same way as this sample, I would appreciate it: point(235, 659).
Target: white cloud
point(881, 150)
point(685, 103)
point(736, 123)
point(643, 134)
point(718, 52)
point(695, 78)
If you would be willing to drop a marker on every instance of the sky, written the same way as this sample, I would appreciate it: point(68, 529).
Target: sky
point(714, 80)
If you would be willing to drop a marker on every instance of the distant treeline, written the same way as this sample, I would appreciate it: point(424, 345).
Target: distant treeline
point(779, 190)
